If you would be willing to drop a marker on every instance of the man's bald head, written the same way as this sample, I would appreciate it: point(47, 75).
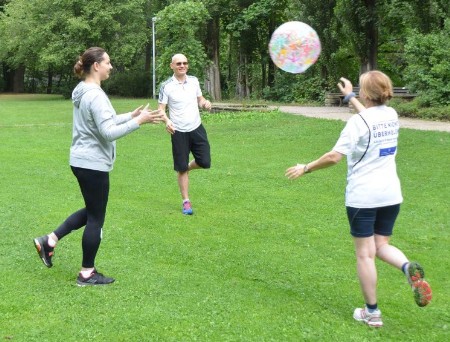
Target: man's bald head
point(179, 57)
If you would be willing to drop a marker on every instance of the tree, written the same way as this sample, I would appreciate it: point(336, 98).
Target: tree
point(359, 20)
point(321, 16)
point(42, 36)
point(428, 71)
point(250, 25)
point(151, 8)
point(13, 73)
point(212, 42)
point(371, 25)
point(181, 29)
point(225, 41)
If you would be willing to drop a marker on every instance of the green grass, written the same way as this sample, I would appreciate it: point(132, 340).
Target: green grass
point(262, 258)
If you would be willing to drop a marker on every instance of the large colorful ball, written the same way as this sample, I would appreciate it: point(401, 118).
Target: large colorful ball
point(294, 47)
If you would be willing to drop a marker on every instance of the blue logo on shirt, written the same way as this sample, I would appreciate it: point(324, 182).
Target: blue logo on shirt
point(387, 151)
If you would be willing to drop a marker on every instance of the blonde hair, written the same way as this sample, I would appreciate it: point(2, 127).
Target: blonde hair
point(376, 87)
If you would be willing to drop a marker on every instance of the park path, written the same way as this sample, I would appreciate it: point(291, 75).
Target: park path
point(344, 113)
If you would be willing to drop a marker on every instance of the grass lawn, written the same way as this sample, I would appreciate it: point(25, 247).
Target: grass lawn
point(262, 259)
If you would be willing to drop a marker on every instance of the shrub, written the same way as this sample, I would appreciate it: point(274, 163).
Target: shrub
point(295, 88)
point(129, 84)
point(415, 109)
point(428, 70)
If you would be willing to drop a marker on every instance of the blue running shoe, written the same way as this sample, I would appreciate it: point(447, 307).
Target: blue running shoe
point(187, 208)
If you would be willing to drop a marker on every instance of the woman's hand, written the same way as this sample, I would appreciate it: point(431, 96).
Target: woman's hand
point(345, 86)
point(137, 111)
point(153, 117)
point(295, 171)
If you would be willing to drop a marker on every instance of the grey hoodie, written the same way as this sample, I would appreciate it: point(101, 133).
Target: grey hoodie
point(96, 126)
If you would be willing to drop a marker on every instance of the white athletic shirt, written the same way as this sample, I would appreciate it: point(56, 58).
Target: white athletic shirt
point(371, 181)
point(181, 97)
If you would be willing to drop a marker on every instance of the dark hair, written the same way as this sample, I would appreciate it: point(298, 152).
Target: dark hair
point(83, 66)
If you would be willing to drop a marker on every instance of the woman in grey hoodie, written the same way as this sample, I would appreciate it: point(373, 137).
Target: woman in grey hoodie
point(96, 126)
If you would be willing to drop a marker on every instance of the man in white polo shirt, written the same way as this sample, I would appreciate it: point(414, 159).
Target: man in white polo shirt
point(182, 94)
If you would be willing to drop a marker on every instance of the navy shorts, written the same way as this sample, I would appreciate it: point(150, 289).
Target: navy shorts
point(365, 222)
point(184, 143)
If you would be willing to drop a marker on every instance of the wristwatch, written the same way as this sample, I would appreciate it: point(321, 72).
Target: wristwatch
point(306, 169)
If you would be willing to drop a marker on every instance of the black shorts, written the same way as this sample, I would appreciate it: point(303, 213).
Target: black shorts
point(365, 222)
point(196, 142)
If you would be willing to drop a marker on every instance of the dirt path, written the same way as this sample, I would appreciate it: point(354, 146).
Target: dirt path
point(343, 113)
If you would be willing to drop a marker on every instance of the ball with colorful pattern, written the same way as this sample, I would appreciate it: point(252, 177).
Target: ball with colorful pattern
point(294, 47)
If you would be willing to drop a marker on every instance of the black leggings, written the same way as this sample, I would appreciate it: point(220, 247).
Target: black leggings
point(94, 186)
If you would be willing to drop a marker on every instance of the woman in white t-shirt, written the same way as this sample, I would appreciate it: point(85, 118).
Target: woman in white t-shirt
point(373, 193)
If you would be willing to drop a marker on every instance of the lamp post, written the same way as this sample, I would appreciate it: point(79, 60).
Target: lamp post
point(154, 56)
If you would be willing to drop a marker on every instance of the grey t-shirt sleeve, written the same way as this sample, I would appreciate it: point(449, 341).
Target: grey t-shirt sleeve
point(110, 127)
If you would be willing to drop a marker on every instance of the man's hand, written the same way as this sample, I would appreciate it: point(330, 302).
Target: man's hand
point(169, 126)
point(295, 171)
point(207, 105)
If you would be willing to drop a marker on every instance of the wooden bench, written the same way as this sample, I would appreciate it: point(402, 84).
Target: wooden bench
point(238, 107)
point(336, 99)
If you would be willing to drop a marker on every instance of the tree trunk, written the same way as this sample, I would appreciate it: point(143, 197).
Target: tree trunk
point(14, 79)
point(212, 73)
point(18, 79)
point(242, 89)
point(49, 81)
point(148, 57)
point(7, 76)
point(364, 66)
point(271, 69)
point(263, 73)
point(148, 70)
point(372, 35)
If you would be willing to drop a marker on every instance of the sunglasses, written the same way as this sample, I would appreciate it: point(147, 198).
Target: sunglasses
point(181, 63)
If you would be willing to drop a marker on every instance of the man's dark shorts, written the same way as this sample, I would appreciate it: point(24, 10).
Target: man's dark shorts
point(196, 142)
point(365, 222)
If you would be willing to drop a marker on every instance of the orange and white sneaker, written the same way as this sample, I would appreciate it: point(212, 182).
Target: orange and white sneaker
point(421, 289)
point(371, 319)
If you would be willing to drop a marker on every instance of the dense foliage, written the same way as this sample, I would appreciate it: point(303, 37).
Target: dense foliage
point(181, 26)
point(226, 43)
point(428, 69)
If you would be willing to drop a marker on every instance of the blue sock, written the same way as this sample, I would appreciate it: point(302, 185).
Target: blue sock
point(371, 307)
point(404, 267)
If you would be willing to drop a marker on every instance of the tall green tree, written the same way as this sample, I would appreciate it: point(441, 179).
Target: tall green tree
point(372, 26)
point(360, 22)
point(12, 74)
point(320, 15)
point(428, 70)
point(250, 25)
point(181, 29)
point(50, 34)
point(216, 9)
point(151, 8)
point(226, 41)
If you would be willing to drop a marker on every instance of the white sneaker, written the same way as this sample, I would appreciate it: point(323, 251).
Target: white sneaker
point(371, 319)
